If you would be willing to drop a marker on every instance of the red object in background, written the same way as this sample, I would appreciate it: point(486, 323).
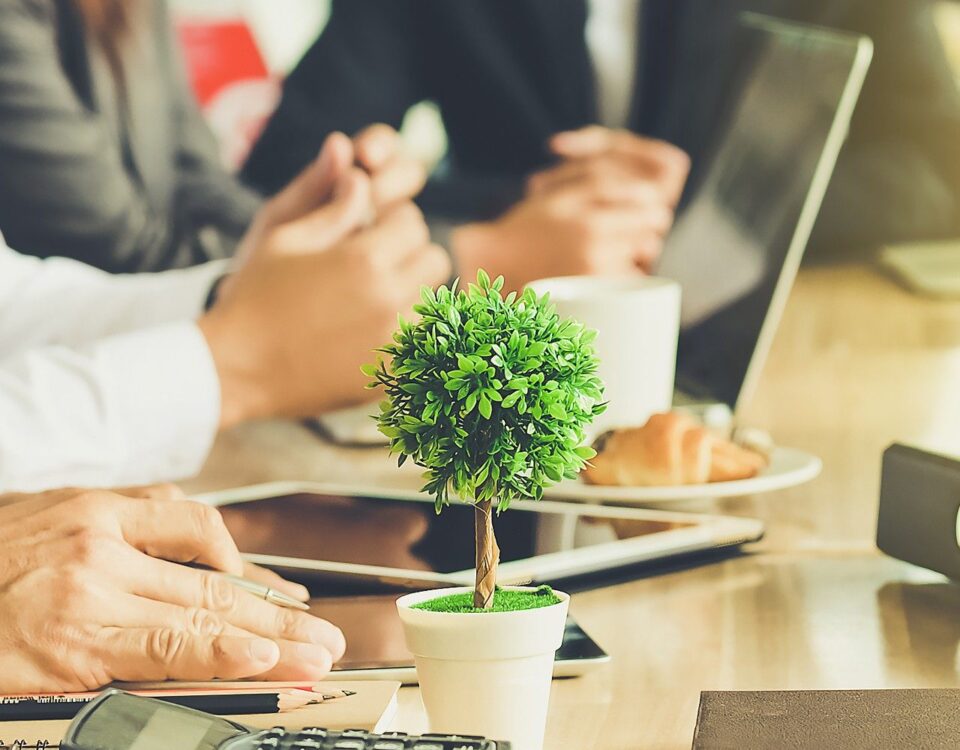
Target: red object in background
point(230, 80)
point(220, 53)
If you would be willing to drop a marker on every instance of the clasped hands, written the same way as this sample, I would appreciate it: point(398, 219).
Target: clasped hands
point(603, 209)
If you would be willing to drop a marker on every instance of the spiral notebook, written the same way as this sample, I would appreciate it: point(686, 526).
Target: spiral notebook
point(372, 708)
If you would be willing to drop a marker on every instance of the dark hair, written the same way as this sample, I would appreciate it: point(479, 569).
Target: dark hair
point(109, 24)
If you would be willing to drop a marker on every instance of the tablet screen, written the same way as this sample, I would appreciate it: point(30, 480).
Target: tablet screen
point(405, 534)
point(409, 535)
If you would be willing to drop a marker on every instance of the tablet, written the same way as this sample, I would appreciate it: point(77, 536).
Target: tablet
point(368, 538)
point(355, 547)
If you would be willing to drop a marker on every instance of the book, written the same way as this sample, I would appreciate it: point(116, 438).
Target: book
point(819, 719)
point(373, 708)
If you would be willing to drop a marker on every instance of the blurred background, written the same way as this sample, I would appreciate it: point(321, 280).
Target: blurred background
point(239, 52)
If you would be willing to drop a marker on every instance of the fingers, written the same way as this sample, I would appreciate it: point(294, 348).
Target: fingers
point(594, 140)
point(666, 163)
point(132, 654)
point(614, 240)
point(183, 532)
point(586, 141)
point(172, 584)
point(268, 578)
point(626, 221)
point(395, 176)
point(602, 180)
point(296, 660)
point(398, 180)
point(329, 224)
point(314, 186)
point(376, 145)
point(398, 233)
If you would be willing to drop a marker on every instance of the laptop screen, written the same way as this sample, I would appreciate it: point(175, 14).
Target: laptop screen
point(738, 240)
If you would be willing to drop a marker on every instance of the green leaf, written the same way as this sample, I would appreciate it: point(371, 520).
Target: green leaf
point(471, 402)
point(510, 400)
point(585, 452)
point(427, 295)
point(486, 409)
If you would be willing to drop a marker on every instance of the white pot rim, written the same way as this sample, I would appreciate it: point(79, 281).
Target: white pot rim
point(481, 636)
point(409, 601)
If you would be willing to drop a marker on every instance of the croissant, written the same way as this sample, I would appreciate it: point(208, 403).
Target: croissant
point(670, 449)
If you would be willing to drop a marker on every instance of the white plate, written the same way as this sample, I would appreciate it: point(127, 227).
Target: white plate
point(788, 468)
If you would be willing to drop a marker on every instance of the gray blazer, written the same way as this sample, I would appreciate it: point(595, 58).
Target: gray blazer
point(126, 184)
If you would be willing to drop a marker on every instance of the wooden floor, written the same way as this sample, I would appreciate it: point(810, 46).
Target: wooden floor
point(857, 364)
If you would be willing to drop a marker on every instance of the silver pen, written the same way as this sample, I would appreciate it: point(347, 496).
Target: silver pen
point(266, 593)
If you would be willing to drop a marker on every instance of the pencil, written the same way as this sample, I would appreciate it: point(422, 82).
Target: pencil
point(214, 685)
point(224, 702)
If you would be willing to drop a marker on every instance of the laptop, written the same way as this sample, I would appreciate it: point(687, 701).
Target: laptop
point(739, 238)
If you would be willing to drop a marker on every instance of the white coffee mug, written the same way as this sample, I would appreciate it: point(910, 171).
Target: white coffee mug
point(637, 320)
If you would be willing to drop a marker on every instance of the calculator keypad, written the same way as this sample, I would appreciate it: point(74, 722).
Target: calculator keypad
point(315, 738)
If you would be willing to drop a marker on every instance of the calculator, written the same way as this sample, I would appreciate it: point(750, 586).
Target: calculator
point(119, 721)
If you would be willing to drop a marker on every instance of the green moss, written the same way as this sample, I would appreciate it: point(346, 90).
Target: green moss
point(503, 601)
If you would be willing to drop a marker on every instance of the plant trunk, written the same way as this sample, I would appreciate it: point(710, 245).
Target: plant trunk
point(488, 555)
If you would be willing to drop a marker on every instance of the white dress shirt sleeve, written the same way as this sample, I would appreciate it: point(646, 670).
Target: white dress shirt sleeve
point(134, 408)
point(62, 301)
point(104, 381)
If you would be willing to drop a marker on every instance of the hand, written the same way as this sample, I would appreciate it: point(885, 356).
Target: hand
point(91, 592)
point(604, 210)
point(290, 331)
point(167, 491)
point(394, 179)
point(394, 175)
point(619, 165)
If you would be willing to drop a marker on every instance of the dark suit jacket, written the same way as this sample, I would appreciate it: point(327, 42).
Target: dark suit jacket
point(125, 183)
point(508, 73)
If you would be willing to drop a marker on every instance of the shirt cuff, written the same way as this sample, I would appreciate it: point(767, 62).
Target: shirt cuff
point(165, 397)
point(182, 293)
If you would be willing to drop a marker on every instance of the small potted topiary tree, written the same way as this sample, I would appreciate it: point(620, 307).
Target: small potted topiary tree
point(491, 395)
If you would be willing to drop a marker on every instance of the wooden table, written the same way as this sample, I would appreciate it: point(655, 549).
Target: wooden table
point(857, 364)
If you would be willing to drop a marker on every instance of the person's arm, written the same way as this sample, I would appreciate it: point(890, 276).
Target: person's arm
point(60, 301)
point(144, 405)
point(363, 68)
point(63, 184)
point(898, 177)
point(133, 408)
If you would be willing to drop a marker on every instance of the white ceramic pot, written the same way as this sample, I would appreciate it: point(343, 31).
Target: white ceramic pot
point(486, 673)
